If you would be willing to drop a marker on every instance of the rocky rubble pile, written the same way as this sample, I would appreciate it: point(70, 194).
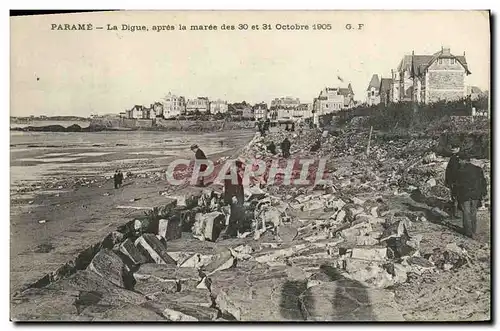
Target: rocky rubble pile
point(326, 252)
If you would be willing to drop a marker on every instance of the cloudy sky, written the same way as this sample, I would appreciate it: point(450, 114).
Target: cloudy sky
point(99, 71)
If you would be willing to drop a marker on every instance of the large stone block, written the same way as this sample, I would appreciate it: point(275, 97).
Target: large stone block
point(109, 266)
point(258, 294)
point(222, 260)
point(194, 297)
point(132, 252)
point(151, 246)
point(169, 229)
point(186, 278)
point(209, 226)
point(369, 253)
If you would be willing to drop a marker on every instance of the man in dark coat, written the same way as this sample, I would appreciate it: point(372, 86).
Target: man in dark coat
point(234, 196)
point(271, 148)
point(451, 177)
point(200, 159)
point(471, 188)
point(285, 147)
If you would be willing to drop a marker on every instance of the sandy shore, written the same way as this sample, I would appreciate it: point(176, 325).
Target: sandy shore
point(44, 213)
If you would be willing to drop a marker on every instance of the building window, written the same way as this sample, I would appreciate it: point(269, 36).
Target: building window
point(373, 93)
point(452, 61)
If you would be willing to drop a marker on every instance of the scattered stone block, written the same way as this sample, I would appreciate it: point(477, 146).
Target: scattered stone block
point(208, 226)
point(169, 229)
point(194, 297)
point(132, 252)
point(369, 253)
point(152, 247)
point(109, 266)
point(220, 261)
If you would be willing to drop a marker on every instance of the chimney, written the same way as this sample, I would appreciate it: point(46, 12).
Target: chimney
point(446, 51)
point(464, 53)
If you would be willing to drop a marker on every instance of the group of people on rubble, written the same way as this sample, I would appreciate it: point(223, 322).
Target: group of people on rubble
point(284, 145)
point(468, 188)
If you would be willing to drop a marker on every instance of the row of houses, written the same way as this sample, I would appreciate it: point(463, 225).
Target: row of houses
point(173, 105)
point(330, 99)
point(424, 79)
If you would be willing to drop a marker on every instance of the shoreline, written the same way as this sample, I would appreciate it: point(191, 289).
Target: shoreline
point(49, 212)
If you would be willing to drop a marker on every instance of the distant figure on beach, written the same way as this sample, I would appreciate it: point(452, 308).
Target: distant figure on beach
point(118, 178)
point(285, 147)
point(199, 162)
point(271, 148)
point(115, 178)
point(221, 143)
point(316, 146)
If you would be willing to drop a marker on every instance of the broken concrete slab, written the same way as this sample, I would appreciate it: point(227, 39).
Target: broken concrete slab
point(186, 278)
point(109, 266)
point(258, 294)
point(208, 226)
point(369, 253)
point(196, 261)
point(169, 229)
point(194, 297)
point(222, 260)
point(348, 300)
point(152, 286)
point(151, 246)
point(88, 281)
point(132, 252)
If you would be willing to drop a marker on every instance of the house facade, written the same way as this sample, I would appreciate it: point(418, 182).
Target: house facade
point(431, 78)
point(200, 104)
point(303, 111)
point(283, 108)
point(173, 105)
point(373, 91)
point(260, 111)
point(218, 106)
point(385, 90)
point(333, 99)
point(136, 112)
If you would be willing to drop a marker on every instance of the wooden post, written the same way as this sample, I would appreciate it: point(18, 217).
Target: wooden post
point(369, 140)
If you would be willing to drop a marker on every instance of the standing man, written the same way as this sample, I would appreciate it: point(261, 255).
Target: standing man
point(200, 161)
point(285, 147)
point(470, 189)
point(234, 196)
point(451, 176)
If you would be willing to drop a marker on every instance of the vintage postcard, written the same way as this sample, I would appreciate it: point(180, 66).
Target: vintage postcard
point(179, 166)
